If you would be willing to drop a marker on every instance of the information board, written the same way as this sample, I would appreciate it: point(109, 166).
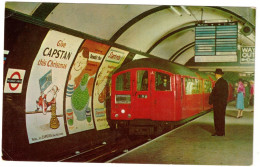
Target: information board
point(216, 42)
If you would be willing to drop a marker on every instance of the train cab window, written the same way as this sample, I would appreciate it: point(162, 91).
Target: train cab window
point(142, 80)
point(162, 82)
point(123, 82)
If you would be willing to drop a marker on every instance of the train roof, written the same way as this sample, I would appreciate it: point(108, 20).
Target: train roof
point(212, 77)
point(205, 75)
point(158, 64)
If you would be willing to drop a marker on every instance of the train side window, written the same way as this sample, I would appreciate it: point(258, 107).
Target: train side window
point(200, 86)
point(162, 82)
point(193, 86)
point(123, 82)
point(196, 86)
point(195, 89)
point(207, 86)
point(188, 86)
point(142, 80)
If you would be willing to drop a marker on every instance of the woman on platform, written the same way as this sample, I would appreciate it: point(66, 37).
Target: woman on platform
point(247, 94)
point(240, 98)
point(252, 93)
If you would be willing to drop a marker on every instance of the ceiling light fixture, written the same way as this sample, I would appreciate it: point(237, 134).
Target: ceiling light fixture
point(186, 10)
point(176, 11)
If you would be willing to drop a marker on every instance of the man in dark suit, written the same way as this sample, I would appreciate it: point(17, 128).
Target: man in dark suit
point(218, 98)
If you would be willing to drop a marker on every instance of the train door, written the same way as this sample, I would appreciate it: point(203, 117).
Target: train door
point(121, 101)
point(142, 94)
point(163, 96)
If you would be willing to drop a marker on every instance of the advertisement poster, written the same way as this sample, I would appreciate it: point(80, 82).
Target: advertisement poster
point(79, 112)
point(45, 91)
point(113, 60)
point(14, 81)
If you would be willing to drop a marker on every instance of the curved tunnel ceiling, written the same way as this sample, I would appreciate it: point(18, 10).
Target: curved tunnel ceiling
point(149, 29)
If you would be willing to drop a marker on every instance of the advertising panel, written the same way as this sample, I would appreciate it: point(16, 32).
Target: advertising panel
point(45, 91)
point(113, 60)
point(79, 113)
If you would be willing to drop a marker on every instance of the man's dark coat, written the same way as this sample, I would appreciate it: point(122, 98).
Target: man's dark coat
point(218, 98)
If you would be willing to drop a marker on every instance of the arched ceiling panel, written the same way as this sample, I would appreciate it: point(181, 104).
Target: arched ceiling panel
point(204, 13)
point(99, 20)
point(186, 56)
point(157, 30)
point(25, 7)
point(171, 45)
point(147, 31)
point(245, 12)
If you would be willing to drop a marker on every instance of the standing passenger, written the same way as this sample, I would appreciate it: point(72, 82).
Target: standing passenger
point(252, 93)
point(240, 98)
point(247, 94)
point(218, 98)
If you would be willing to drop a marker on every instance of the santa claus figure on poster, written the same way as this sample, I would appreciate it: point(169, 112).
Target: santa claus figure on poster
point(47, 99)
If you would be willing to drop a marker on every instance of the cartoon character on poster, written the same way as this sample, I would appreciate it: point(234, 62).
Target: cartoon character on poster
point(78, 95)
point(102, 81)
point(47, 100)
point(113, 60)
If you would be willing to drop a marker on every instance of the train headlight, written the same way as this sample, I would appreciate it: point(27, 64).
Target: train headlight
point(116, 115)
point(129, 115)
point(122, 111)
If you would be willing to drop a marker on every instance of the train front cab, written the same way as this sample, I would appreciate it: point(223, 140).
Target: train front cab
point(142, 94)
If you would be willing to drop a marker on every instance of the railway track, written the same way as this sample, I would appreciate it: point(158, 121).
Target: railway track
point(106, 151)
point(115, 147)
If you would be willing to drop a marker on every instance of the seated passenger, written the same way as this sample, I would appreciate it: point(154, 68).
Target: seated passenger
point(144, 84)
point(165, 85)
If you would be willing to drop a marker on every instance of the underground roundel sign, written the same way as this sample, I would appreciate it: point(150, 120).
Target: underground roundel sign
point(14, 81)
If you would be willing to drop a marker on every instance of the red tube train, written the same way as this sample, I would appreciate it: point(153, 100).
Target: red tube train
point(148, 95)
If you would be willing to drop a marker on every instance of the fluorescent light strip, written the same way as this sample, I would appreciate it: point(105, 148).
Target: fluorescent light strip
point(186, 10)
point(176, 11)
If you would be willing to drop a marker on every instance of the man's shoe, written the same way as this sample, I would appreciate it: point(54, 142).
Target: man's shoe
point(215, 134)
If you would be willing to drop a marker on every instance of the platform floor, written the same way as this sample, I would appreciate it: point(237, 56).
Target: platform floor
point(192, 144)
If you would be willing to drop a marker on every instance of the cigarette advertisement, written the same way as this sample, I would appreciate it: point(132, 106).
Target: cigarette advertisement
point(45, 91)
